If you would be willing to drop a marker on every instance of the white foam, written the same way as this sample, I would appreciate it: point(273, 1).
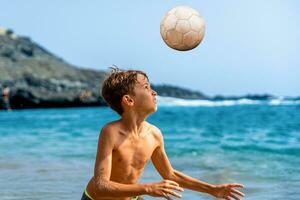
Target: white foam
point(171, 101)
point(276, 102)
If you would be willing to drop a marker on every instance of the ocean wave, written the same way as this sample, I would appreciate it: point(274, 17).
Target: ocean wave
point(171, 101)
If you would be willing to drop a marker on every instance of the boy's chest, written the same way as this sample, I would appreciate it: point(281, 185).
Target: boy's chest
point(134, 152)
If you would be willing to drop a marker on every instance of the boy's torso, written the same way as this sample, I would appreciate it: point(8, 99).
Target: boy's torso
point(129, 157)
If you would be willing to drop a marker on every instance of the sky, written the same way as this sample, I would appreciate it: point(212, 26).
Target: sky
point(250, 46)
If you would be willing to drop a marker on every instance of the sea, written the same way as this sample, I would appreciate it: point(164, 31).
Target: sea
point(50, 153)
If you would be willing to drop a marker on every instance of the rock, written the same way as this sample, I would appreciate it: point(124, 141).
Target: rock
point(40, 79)
point(173, 91)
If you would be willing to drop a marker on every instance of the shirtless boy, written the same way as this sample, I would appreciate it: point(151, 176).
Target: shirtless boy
point(126, 145)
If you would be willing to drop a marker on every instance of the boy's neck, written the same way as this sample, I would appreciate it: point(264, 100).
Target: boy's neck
point(133, 122)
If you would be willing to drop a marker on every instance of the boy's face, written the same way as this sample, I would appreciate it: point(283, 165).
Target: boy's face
point(145, 97)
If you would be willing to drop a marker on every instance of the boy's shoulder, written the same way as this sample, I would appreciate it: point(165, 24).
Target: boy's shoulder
point(110, 125)
point(109, 129)
point(152, 127)
point(155, 131)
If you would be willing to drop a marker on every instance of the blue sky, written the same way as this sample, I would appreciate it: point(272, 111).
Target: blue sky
point(250, 47)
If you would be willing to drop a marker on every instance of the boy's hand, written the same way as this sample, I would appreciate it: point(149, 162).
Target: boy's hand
point(164, 189)
point(227, 191)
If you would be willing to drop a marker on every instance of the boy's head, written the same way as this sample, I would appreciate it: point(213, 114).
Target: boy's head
point(129, 89)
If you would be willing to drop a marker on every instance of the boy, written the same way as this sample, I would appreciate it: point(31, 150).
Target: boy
point(126, 145)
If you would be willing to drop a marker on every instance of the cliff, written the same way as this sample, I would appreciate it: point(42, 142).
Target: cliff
point(39, 79)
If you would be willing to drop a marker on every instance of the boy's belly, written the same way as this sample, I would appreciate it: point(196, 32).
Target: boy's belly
point(92, 191)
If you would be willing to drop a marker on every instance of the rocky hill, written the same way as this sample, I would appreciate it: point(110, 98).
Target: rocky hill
point(39, 79)
point(174, 91)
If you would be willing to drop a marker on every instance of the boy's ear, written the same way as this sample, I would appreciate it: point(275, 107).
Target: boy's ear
point(127, 100)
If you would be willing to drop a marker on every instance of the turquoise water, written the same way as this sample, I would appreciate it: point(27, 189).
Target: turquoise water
point(49, 153)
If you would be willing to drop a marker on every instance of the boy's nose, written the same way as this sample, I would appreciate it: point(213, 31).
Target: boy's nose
point(154, 93)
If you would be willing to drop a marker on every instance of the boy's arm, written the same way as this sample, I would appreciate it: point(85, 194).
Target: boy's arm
point(106, 188)
point(163, 166)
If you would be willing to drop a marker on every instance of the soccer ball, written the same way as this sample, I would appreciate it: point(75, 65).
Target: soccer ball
point(182, 28)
